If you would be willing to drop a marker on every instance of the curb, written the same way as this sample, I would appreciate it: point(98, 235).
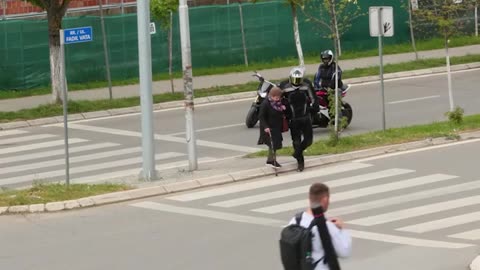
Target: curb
point(214, 99)
point(221, 179)
point(475, 265)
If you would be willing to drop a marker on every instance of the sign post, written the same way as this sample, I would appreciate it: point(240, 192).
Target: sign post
point(381, 24)
point(69, 36)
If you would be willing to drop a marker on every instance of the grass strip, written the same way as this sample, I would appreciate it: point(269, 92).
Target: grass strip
point(97, 105)
point(379, 138)
point(432, 44)
point(46, 192)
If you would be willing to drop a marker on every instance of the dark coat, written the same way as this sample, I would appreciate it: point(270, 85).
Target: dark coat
point(273, 119)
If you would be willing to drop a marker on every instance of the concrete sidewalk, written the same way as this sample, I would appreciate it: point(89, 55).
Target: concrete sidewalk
point(200, 82)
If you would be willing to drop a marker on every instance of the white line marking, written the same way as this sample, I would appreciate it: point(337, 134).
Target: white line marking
point(424, 194)
point(12, 132)
point(83, 169)
point(406, 240)
point(134, 172)
point(470, 235)
point(428, 148)
point(280, 224)
point(413, 99)
point(303, 189)
point(358, 193)
point(209, 214)
point(442, 223)
point(49, 154)
point(416, 211)
point(26, 138)
point(209, 129)
point(35, 146)
point(269, 182)
point(168, 138)
point(73, 160)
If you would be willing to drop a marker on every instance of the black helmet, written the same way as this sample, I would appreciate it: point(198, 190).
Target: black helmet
point(327, 57)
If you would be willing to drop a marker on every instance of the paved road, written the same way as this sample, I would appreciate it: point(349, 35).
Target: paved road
point(109, 147)
point(417, 208)
point(200, 82)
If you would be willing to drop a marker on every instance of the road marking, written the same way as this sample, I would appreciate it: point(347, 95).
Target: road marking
point(284, 179)
point(358, 193)
point(424, 194)
point(416, 211)
point(442, 223)
point(61, 161)
point(413, 99)
point(49, 154)
point(135, 172)
point(223, 146)
point(210, 214)
point(21, 148)
point(26, 138)
point(428, 148)
point(470, 235)
point(83, 169)
point(12, 132)
point(209, 129)
point(303, 189)
point(280, 224)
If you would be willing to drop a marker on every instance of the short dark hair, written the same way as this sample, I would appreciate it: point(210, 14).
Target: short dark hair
point(317, 191)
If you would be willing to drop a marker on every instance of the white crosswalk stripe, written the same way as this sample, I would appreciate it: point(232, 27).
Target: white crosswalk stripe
point(410, 194)
point(36, 146)
point(25, 139)
point(12, 132)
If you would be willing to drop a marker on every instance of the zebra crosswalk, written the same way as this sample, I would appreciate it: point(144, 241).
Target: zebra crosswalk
point(407, 206)
point(26, 157)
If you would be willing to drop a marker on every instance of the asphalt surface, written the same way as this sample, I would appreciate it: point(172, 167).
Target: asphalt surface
point(410, 210)
point(110, 147)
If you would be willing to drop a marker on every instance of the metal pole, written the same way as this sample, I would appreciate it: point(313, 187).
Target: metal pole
point(122, 7)
point(380, 52)
point(449, 77)
point(4, 4)
point(476, 20)
point(65, 104)
point(187, 82)
point(243, 34)
point(146, 100)
point(336, 93)
point(105, 50)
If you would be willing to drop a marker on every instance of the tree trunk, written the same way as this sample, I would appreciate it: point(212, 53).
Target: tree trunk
point(54, 26)
point(336, 40)
point(296, 34)
point(412, 36)
point(170, 52)
point(449, 75)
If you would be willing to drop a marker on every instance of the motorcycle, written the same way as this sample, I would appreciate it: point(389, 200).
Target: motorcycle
point(322, 118)
point(263, 87)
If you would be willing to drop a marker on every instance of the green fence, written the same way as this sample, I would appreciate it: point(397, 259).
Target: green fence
point(215, 41)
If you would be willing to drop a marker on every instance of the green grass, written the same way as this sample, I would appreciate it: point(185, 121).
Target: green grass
point(45, 193)
point(432, 44)
point(380, 138)
point(97, 105)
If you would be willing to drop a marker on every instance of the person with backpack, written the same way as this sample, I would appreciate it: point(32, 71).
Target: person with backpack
point(311, 241)
point(301, 103)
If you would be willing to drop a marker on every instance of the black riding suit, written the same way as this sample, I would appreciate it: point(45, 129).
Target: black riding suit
point(301, 102)
point(325, 77)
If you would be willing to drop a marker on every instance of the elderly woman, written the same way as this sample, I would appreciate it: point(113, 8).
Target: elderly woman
point(271, 124)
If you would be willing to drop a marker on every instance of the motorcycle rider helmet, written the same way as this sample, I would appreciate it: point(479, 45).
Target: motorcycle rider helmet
point(327, 57)
point(296, 76)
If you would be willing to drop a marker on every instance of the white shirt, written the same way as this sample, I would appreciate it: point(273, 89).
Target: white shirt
point(341, 240)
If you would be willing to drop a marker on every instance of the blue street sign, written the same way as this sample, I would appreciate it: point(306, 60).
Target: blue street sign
point(78, 35)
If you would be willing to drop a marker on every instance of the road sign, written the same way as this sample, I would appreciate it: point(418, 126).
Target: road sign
point(414, 4)
point(386, 14)
point(78, 35)
point(153, 30)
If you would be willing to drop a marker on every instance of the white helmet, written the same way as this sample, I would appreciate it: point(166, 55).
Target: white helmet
point(296, 76)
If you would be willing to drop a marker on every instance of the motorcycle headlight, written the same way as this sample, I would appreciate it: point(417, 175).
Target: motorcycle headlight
point(263, 95)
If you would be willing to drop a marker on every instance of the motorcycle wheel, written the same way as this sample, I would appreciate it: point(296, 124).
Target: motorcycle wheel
point(252, 117)
point(347, 112)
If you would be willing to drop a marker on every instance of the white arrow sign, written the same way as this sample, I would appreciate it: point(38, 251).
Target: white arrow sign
point(386, 21)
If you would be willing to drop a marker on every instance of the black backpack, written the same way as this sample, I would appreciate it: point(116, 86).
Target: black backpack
point(296, 246)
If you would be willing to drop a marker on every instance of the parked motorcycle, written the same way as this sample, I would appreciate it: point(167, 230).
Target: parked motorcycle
point(263, 88)
point(322, 118)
